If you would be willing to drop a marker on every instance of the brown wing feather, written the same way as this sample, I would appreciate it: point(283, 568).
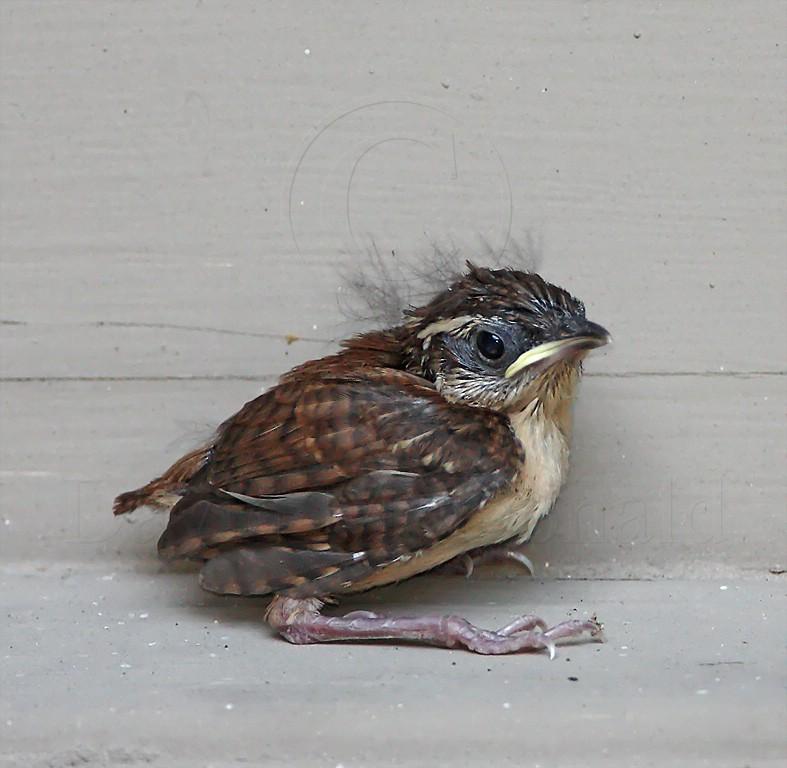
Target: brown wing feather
point(204, 523)
point(359, 469)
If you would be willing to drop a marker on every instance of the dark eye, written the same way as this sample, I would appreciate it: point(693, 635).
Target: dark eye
point(490, 345)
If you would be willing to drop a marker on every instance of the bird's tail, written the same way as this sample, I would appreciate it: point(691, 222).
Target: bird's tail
point(161, 491)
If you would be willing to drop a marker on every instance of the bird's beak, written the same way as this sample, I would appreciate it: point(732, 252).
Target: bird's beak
point(590, 336)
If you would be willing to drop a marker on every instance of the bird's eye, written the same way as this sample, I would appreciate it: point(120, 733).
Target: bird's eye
point(490, 345)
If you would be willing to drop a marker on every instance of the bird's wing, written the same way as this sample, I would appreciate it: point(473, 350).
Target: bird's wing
point(337, 474)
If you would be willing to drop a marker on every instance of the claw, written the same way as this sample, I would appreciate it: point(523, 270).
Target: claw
point(522, 559)
point(499, 553)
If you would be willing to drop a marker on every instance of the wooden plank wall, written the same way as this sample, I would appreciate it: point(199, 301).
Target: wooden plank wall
point(185, 186)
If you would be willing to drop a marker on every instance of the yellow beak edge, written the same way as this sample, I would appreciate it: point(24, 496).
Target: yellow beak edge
point(551, 349)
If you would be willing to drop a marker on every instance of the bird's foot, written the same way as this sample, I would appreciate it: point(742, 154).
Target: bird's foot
point(300, 622)
point(494, 555)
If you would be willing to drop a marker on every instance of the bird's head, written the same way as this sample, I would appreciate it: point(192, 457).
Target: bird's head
point(501, 339)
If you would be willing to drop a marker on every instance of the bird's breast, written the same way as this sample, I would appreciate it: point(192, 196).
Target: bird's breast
point(539, 481)
point(514, 512)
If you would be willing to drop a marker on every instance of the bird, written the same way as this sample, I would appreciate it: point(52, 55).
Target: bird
point(442, 439)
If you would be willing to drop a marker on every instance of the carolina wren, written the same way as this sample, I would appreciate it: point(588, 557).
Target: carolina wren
point(412, 446)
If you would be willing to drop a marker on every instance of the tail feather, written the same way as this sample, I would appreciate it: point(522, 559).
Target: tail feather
point(159, 491)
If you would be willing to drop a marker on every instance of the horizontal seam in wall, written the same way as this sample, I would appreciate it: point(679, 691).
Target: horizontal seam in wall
point(289, 338)
point(273, 376)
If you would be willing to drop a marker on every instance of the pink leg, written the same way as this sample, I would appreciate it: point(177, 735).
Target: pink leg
point(300, 621)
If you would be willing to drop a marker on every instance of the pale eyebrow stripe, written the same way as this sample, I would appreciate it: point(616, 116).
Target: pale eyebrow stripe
point(444, 326)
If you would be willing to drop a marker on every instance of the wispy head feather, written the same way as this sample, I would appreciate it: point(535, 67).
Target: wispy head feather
point(386, 286)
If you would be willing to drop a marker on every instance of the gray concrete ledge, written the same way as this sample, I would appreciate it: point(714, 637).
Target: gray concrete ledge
point(109, 667)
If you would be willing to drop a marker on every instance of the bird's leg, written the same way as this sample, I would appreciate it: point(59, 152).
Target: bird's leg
point(505, 552)
point(300, 621)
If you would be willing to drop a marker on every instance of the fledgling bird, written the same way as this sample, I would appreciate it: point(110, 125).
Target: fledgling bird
point(413, 446)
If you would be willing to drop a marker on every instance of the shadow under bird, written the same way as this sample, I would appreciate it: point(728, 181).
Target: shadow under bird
point(443, 438)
